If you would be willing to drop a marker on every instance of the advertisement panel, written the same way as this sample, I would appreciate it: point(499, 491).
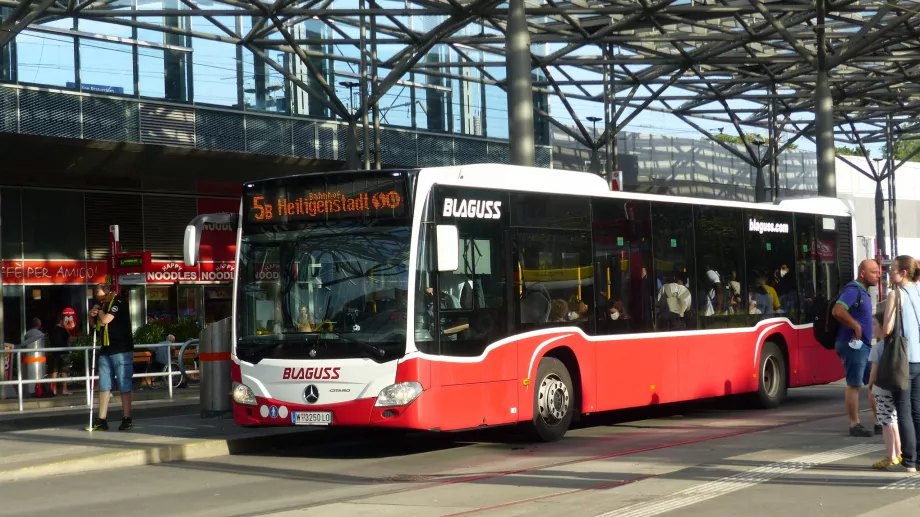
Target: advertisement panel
point(218, 241)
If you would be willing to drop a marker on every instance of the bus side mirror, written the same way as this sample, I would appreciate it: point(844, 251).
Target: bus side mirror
point(194, 229)
point(448, 238)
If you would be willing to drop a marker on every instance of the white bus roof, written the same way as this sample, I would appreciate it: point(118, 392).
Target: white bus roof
point(559, 181)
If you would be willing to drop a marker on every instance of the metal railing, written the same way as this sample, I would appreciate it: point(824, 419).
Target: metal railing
point(19, 382)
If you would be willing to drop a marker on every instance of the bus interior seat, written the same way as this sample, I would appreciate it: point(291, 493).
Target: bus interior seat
point(535, 305)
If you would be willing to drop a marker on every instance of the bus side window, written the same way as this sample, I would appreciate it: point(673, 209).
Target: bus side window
point(622, 259)
point(807, 268)
point(554, 279)
point(720, 276)
point(770, 252)
point(672, 247)
point(472, 303)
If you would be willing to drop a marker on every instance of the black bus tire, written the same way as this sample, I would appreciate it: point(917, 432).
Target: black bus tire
point(771, 377)
point(553, 402)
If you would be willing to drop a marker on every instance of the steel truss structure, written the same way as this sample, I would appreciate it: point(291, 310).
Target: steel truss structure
point(816, 69)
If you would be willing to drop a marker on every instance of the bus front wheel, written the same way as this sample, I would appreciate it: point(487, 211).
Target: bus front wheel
point(771, 385)
point(553, 404)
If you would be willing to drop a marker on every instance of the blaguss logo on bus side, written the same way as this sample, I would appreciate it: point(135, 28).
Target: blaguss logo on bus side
point(472, 208)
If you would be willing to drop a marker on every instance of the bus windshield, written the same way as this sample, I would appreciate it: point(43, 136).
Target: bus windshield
point(332, 289)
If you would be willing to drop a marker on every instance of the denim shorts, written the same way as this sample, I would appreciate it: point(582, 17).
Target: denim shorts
point(114, 366)
point(855, 363)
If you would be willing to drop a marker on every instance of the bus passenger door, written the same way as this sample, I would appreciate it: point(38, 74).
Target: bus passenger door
point(635, 368)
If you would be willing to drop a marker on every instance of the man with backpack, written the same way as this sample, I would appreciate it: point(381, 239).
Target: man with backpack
point(853, 310)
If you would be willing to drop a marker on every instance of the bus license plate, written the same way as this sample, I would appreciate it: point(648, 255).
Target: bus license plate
point(312, 417)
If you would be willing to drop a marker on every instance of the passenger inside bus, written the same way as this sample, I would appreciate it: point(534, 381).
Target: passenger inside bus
point(674, 301)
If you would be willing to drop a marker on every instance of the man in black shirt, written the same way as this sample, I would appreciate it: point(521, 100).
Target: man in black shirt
point(111, 319)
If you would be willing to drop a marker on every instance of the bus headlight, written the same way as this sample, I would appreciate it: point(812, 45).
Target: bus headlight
point(398, 394)
point(243, 395)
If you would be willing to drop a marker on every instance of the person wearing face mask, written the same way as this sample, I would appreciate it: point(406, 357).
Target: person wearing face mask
point(615, 311)
point(785, 289)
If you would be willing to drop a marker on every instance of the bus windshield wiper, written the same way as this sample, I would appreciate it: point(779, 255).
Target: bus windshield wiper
point(367, 347)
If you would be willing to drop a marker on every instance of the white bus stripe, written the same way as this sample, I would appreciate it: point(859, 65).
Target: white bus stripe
point(739, 481)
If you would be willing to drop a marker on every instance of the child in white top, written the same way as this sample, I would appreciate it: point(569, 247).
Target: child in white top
point(887, 415)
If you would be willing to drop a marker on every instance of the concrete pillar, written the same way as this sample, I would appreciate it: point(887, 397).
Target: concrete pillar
point(879, 218)
point(824, 114)
point(520, 86)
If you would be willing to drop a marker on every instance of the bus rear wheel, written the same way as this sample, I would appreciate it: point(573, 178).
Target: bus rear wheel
point(772, 380)
point(553, 403)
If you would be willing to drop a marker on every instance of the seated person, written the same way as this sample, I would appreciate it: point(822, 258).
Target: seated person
point(615, 310)
point(305, 321)
point(578, 310)
point(559, 311)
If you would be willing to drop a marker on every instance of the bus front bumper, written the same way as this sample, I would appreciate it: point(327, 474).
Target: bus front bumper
point(360, 413)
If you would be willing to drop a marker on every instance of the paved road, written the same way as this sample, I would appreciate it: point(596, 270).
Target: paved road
point(709, 459)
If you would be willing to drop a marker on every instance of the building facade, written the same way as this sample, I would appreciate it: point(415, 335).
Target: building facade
point(55, 247)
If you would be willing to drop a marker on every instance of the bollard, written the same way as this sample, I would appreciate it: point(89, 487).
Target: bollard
point(214, 358)
point(33, 363)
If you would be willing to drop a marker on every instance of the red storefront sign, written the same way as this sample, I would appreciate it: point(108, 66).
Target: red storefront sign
point(53, 272)
point(63, 272)
point(218, 241)
point(204, 272)
point(216, 271)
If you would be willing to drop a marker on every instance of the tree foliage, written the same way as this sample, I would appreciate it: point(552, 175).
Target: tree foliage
point(903, 149)
point(849, 151)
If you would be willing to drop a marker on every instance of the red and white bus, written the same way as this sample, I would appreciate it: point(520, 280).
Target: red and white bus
point(462, 297)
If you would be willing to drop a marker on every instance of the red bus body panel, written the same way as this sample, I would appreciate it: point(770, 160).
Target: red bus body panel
point(615, 372)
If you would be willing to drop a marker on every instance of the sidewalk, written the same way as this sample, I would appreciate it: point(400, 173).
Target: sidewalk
point(70, 449)
point(72, 410)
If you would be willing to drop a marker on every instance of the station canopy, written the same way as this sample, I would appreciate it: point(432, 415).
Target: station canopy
point(744, 64)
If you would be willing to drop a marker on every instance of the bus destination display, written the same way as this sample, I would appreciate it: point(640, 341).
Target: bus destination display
point(268, 207)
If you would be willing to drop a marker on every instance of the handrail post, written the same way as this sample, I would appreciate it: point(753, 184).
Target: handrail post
point(169, 370)
point(19, 379)
point(86, 379)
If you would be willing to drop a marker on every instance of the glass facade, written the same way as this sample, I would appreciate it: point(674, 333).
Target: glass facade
point(50, 261)
point(102, 57)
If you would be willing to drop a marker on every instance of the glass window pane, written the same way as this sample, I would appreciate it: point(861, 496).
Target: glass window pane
point(555, 283)
point(770, 251)
point(45, 59)
point(159, 308)
point(11, 227)
point(672, 245)
point(807, 268)
point(720, 267)
point(189, 303)
point(547, 211)
point(106, 67)
point(152, 73)
point(622, 253)
point(61, 237)
point(215, 72)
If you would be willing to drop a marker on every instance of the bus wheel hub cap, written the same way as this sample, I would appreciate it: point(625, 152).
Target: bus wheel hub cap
point(553, 399)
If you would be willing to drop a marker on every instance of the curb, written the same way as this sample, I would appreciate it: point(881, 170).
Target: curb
point(163, 454)
point(190, 451)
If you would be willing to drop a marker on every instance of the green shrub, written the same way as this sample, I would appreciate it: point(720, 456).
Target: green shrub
point(183, 329)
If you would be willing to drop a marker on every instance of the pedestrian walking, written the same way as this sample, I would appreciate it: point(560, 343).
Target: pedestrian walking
point(905, 273)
